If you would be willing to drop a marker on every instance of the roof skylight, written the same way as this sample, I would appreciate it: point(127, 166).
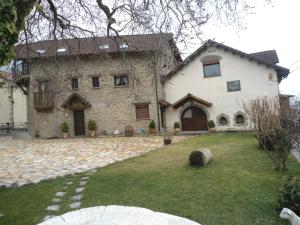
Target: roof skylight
point(106, 46)
point(40, 51)
point(60, 50)
point(124, 45)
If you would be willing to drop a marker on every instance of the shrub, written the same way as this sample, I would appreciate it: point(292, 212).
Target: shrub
point(92, 125)
point(176, 125)
point(64, 127)
point(211, 124)
point(152, 124)
point(196, 159)
point(278, 144)
point(289, 194)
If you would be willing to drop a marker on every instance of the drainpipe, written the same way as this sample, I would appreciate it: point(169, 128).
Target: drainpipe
point(157, 101)
point(11, 99)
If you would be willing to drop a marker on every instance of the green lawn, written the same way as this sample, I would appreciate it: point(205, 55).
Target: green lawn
point(239, 187)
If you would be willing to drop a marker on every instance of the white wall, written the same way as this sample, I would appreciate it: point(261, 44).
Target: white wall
point(254, 79)
point(20, 110)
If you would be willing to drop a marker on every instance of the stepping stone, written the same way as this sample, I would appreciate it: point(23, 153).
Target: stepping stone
point(78, 190)
point(68, 183)
point(56, 200)
point(1, 214)
point(60, 194)
point(75, 205)
point(82, 183)
point(76, 197)
point(48, 217)
point(85, 178)
point(54, 208)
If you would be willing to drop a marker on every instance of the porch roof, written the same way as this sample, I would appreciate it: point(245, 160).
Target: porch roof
point(68, 103)
point(190, 97)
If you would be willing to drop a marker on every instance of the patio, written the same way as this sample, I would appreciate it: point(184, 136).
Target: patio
point(32, 160)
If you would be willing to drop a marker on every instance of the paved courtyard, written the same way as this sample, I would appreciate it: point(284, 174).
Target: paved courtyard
point(32, 160)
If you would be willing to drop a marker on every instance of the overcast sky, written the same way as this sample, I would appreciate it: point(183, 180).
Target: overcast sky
point(275, 26)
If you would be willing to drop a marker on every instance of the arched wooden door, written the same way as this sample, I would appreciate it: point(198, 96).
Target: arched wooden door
point(193, 119)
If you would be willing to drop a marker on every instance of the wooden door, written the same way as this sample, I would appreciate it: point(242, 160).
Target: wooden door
point(194, 119)
point(79, 126)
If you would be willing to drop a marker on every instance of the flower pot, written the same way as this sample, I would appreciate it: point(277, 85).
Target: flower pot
point(176, 130)
point(152, 130)
point(167, 141)
point(93, 133)
point(212, 130)
point(65, 135)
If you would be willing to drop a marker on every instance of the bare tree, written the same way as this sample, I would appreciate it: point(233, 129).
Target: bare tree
point(276, 132)
point(33, 20)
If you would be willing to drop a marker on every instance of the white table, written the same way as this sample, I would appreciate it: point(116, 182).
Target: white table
point(117, 215)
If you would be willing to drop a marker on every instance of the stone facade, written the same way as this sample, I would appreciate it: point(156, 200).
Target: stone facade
point(112, 107)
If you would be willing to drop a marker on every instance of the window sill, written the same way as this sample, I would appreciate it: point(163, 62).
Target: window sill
point(96, 88)
point(217, 75)
point(240, 124)
point(142, 119)
point(75, 89)
point(223, 125)
point(122, 86)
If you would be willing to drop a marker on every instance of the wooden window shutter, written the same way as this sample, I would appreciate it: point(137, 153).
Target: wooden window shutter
point(142, 111)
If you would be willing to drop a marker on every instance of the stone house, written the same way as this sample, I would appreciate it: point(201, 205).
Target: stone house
point(114, 81)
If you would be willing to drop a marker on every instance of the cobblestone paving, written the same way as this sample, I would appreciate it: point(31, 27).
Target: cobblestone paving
point(32, 160)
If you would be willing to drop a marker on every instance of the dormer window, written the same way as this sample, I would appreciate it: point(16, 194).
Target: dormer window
point(61, 50)
point(104, 47)
point(40, 51)
point(124, 45)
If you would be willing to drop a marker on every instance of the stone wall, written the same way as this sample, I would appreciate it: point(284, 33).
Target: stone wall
point(111, 107)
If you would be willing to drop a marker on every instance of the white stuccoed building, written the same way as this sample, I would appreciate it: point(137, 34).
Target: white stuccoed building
point(214, 81)
point(12, 102)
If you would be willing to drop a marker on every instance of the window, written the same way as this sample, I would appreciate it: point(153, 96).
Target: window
point(106, 46)
point(40, 51)
point(223, 120)
point(44, 86)
point(142, 111)
point(124, 45)
point(74, 83)
point(61, 50)
point(211, 69)
point(121, 80)
point(21, 67)
point(188, 114)
point(240, 119)
point(96, 82)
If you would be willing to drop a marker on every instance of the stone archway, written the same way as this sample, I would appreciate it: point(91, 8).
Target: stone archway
point(194, 119)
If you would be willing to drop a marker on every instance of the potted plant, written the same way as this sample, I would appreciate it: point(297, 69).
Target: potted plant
point(37, 133)
point(167, 140)
point(211, 126)
point(152, 127)
point(177, 127)
point(64, 129)
point(92, 127)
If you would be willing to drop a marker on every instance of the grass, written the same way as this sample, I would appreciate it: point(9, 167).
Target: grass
point(239, 187)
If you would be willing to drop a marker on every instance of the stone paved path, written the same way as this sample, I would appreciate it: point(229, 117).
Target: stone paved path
point(32, 160)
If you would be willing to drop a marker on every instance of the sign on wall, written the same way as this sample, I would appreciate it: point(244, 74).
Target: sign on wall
point(233, 86)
